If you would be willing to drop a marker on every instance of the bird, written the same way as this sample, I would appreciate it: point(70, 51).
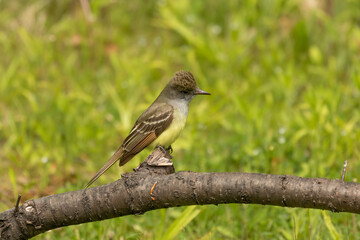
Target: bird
point(161, 123)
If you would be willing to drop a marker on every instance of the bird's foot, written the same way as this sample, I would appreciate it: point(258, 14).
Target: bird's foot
point(167, 151)
point(170, 149)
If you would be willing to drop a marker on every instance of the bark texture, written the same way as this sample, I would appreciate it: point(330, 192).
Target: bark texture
point(150, 188)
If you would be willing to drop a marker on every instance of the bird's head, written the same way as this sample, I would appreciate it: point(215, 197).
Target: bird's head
point(183, 86)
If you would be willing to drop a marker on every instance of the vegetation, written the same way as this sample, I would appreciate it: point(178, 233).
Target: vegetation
point(285, 84)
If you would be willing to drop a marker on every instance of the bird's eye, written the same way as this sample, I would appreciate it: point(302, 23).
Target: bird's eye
point(184, 92)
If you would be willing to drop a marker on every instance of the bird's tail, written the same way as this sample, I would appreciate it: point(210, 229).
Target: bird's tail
point(117, 155)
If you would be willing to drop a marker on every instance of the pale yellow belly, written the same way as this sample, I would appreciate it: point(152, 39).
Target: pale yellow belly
point(167, 137)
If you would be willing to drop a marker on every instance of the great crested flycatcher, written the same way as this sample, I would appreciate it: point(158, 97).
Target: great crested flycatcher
point(161, 123)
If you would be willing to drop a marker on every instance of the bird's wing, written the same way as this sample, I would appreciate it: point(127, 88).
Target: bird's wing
point(148, 127)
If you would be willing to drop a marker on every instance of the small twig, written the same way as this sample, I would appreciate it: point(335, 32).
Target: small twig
point(151, 191)
point(344, 170)
point(17, 204)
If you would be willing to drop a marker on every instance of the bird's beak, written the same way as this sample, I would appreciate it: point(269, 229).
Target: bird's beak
point(198, 91)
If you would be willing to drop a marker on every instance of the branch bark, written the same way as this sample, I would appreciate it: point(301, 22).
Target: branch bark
point(150, 188)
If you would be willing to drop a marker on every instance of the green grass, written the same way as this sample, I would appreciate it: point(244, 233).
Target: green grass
point(285, 84)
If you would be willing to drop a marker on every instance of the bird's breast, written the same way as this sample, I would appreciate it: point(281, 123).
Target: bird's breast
point(167, 137)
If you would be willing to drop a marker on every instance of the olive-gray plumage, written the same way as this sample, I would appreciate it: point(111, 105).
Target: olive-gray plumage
point(161, 123)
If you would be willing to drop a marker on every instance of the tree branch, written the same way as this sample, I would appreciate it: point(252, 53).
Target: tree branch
point(150, 188)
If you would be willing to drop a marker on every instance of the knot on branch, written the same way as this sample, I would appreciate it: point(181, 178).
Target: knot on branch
point(157, 163)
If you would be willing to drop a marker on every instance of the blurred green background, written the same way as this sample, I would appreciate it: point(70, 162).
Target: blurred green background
point(285, 84)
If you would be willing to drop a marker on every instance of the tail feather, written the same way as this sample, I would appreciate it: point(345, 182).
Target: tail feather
point(117, 155)
point(125, 159)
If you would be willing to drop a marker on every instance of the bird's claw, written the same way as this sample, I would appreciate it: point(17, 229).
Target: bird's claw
point(165, 150)
point(170, 149)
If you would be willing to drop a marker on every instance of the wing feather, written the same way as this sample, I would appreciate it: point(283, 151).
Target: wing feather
point(147, 128)
point(140, 146)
